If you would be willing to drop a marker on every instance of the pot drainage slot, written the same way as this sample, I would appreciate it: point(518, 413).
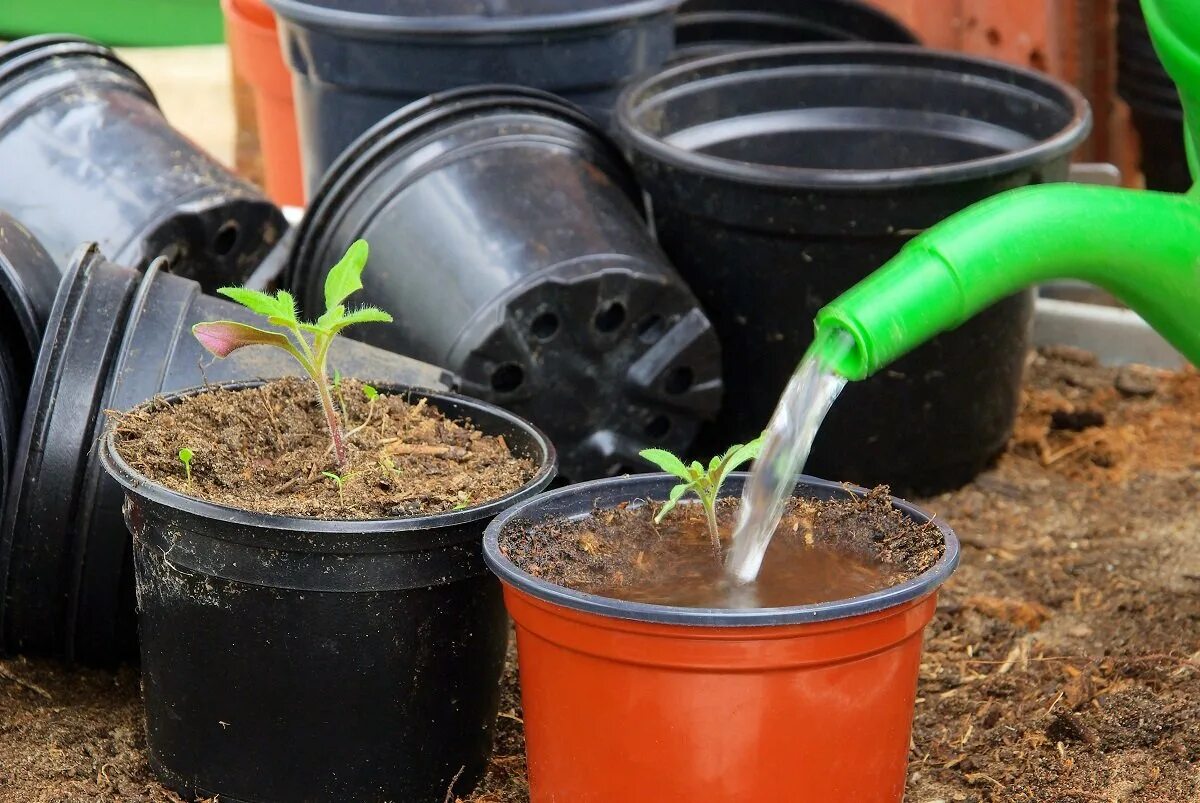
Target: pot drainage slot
point(507, 378)
point(610, 317)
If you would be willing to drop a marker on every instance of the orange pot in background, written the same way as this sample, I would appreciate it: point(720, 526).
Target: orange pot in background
point(633, 702)
point(254, 46)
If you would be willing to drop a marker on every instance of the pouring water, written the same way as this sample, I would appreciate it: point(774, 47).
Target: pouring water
point(802, 407)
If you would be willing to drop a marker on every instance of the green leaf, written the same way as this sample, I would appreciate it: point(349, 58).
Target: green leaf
point(264, 304)
point(334, 477)
point(673, 499)
point(364, 315)
point(696, 470)
point(222, 338)
point(186, 455)
point(328, 318)
point(740, 454)
point(666, 461)
point(285, 312)
point(712, 464)
point(370, 393)
point(345, 277)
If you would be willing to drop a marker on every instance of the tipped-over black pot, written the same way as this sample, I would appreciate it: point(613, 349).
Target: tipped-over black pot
point(88, 157)
point(354, 63)
point(115, 338)
point(28, 279)
point(304, 659)
point(782, 176)
point(508, 240)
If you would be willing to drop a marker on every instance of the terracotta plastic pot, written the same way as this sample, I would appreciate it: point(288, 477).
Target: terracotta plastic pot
point(636, 702)
point(254, 46)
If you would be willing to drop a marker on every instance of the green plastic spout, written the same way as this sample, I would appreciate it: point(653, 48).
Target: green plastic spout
point(1174, 27)
point(1143, 247)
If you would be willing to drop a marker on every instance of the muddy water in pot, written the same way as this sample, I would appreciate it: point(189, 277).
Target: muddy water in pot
point(687, 575)
point(808, 396)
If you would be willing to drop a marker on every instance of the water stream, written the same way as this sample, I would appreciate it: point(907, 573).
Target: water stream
point(802, 407)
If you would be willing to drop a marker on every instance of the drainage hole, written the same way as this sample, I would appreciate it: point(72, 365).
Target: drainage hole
point(658, 427)
point(651, 329)
point(679, 380)
point(610, 317)
point(544, 326)
point(507, 378)
point(226, 238)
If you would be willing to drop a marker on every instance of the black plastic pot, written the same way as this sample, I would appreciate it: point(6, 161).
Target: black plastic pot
point(711, 27)
point(88, 156)
point(28, 279)
point(506, 238)
point(114, 339)
point(356, 62)
point(1154, 103)
point(300, 659)
point(782, 176)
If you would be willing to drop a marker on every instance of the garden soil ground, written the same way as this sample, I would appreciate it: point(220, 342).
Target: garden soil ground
point(1063, 665)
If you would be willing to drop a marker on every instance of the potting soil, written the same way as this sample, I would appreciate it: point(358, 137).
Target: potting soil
point(268, 450)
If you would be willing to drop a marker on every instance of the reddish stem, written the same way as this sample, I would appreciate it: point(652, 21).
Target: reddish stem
point(334, 423)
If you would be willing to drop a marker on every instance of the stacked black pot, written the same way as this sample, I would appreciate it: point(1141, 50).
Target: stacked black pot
point(1153, 102)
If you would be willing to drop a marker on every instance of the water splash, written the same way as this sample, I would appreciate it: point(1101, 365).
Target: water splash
point(802, 407)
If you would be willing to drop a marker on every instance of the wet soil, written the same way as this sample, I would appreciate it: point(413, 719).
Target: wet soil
point(1063, 665)
point(822, 551)
point(267, 449)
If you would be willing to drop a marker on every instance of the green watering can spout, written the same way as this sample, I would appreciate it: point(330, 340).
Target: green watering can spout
point(1143, 247)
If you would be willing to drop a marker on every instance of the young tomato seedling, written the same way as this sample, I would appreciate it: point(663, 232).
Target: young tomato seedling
point(705, 484)
point(185, 457)
point(308, 342)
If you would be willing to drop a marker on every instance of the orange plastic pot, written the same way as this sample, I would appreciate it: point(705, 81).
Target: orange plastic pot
point(254, 45)
point(634, 702)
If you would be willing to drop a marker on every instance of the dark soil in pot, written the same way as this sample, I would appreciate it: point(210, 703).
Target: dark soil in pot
point(406, 458)
point(301, 658)
point(823, 550)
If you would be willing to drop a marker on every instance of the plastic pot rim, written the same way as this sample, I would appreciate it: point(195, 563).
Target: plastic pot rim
point(606, 490)
point(24, 54)
point(385, 25)
point(135, 482)
point(344, 180)
point(779, 176)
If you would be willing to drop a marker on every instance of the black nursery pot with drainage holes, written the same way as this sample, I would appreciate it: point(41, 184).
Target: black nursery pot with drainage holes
point(87, 156)
point(303, 659)
point(508, 241)
point(354, 63)
point(710, 27)
point(780, 177)
point(115, 338)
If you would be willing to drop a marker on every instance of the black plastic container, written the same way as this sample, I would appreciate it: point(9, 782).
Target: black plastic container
point(712, 27)
point(300, 659)
point(88, 156)
point(354, 63)
point(28, 280)
point(782, 176)
point(1156, 111)
point(115, 338)
point(507, 239)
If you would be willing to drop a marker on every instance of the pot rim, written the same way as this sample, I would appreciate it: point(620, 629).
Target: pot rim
point(28, 52)
point(763, 59)
point(607, 490)
point(135, 482)
point(375, 25)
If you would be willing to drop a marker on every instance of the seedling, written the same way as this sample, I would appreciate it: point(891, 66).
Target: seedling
point(185, 457)
point(222, 338)
point(338, 480)
point(706, 484)
point(370, 394)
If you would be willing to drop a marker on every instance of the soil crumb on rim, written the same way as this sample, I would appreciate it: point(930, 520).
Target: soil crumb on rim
point(267, 450)
point(823, 550)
